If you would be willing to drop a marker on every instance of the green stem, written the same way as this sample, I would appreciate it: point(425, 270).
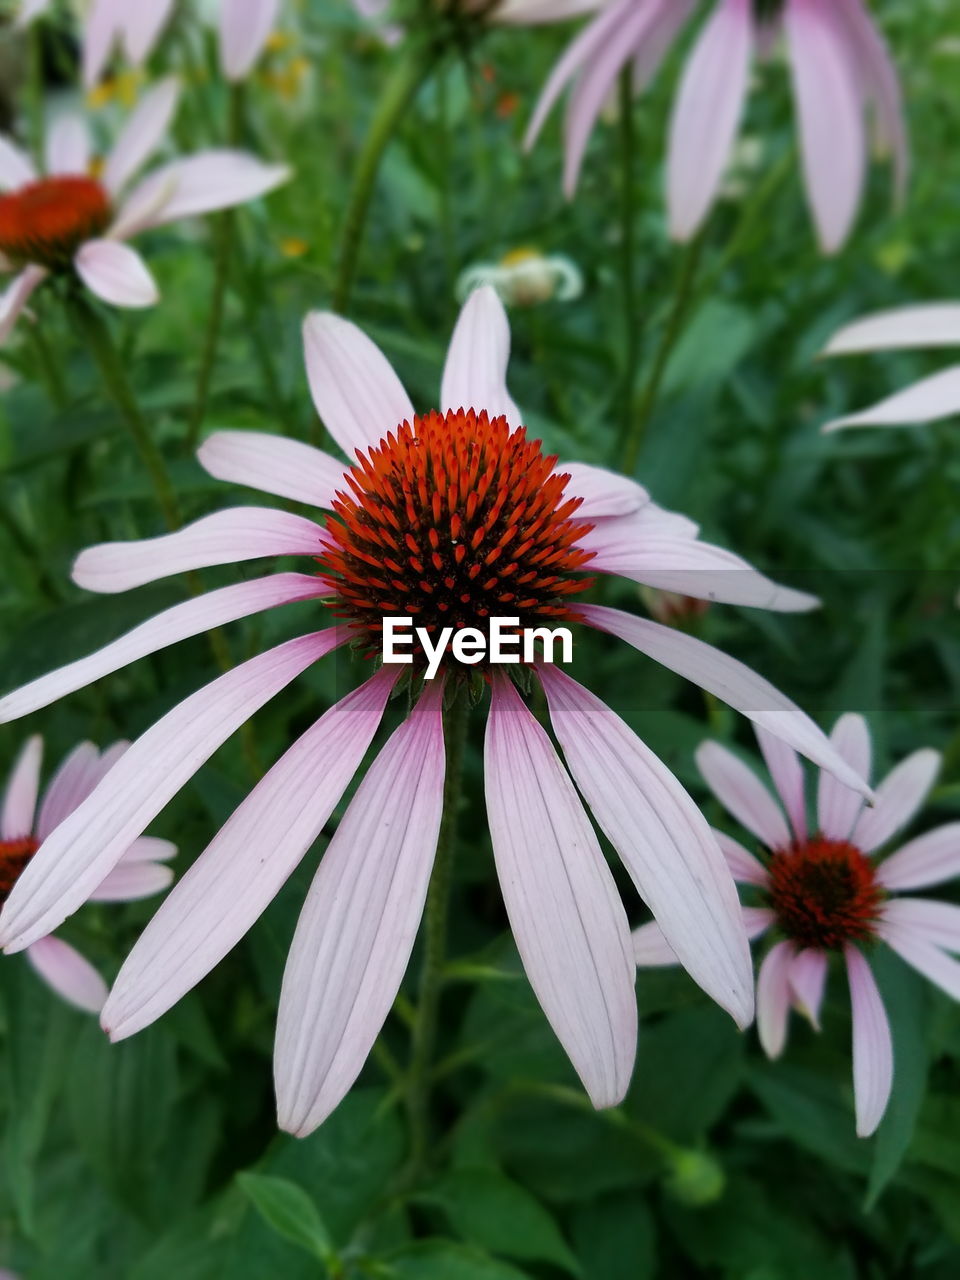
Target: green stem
point(409, 73)
point(49, 368)
point(628, 245)
point(456, 719)
point(111, 369)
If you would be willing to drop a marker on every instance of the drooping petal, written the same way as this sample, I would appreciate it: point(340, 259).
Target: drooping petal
point(899, 796)
point(942, 970)
point(116, 273)
point(808, 975)
point(193, 617)
point(757, 920)
point(928, 400)
point(662, 838)
point(655, 43)
point(142, 134)
point(273, 464)
point(929, 859)
point(604, 493)
point(827, 96)
point(359, 922)
point(872, 1045)
point(68, 145)
point(568, 921)
point(744, 867)
point(881, 85)
point(839, 806)
point(69, 786)
point(773, 998)
point(706, 115)
point(729, 680)
point(742, 793)
point(150, 849)
point(142, 25)
point(787, 774)
point(74, 860)
point(902, 328)
point(226, 537)
point(937, 923)
point(23, 786)
point(244, 28)
point(69, 973)
point(16, 296)
point(357, 394)
point(131, 881)
point(247, 862)
point(650, 947)
point(202, 183)
point(16, 167)
point(475, 371)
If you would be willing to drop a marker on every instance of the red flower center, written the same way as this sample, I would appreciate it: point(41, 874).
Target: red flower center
point(824, 893)
point(14, 856)
point(47, 221)
point(451, 521)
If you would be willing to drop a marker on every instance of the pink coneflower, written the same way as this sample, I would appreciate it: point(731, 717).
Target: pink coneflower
point(840, 66)
point(824, 893)
point(76, 216)
point(916, 327)
point(24, 825)
point(448, 516)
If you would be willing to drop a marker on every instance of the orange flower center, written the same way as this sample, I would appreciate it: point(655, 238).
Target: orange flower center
point(824, 893)
point(14, 856)
point(450, 521)
point(46, 222)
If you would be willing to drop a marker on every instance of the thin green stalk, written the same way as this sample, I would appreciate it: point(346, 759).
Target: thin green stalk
point(456, 719)
point(631, 356)
point(49, 369)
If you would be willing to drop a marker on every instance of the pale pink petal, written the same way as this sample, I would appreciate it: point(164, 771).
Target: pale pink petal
point(928, 400)
point(706, 115)
point(604, 493)
point(193, 617)
point(143, 22)
point(359, 922)
point(830, 114)
point(650, 947)
point(728, 680)
point(872, 1045)
point(757, 920)
point(567, 919)
point(247, 862)
point(150, 849)
point(652, 48)
point(108, 758)
point(899, 796)
point(744, 867)
point(20, 798)
point(929, 859)
point(273, 464)
point(787, 774)
point(131, 881)
point(69, 787)
point(662, 838)
point(116, 273)
point(28, 10)
point(742, 793)
point(475, 371)
point(68, 146)
point(773, 998)
point(935, 922)
point(882, 86)
point(16, 296)
point(808, 975)
point(839, 806)
point(74, 860)
point(16, 167)
point(69, 973)
point(936, 325)
point(227, 537)
point(203, 183)
point(922, 955)
point(529, 12)
point(143, 132)
point(104, 23)
point(244, 28)
point(357, 394)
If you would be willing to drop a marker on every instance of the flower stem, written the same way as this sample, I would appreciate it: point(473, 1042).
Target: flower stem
point(628, 245)
point(456, 719)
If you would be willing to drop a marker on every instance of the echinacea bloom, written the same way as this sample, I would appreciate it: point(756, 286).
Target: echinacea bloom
point(840, 68)
point(524, 278)
point(828, 888)
point(77, 215)
point(448, 517)
point(916, 327)
point(25, 824)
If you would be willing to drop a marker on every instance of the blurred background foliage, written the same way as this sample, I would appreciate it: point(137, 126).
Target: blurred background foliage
point(160, 1157)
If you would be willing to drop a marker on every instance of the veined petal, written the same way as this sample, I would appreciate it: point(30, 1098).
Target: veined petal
point(475, 371)
point(604, 493)
point(742, 793)
point(74, 860)
point(928, 400)
point(192, 618)
point(68, 145)
point(23, 786)
point(244, 28)
point(226, 537)
point(273, 464)
point(729, 680)
point(116, 273)
point(744, 867)
point(247, 862)
point(808, 975)
point(131, 881)
point(872, 1045)
point(773, 998)
point(357, 394)
point(937, 923)
point(142, 25)
point(69, 973)
point(787, 774)
point(16, 296)
point(69, 786)
point(16, 167)
point(935, 965)
point(900, 329)
point(662, 838)
point(142, 134)
point(838, 806)
point(567, 918)
point(927, 860)
point(203, 183)
point(359, 922)
point(899, 796)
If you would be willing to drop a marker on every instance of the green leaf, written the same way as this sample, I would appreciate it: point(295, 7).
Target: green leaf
point(289, 1211)
point(615, 1238)
point(441, 1260)
point(810, 1111)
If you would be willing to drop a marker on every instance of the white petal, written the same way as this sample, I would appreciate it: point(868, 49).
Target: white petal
point(757, 920)
point(357, 394)
point(203, 183)
point(30, 9)
point(104, 23)
point(567, 918)
point(838, 806)
point(69, 973)
point(142, 134)
point(23, 785)
point(935, 922)
point(16, 296)
point(69, 787)
point(116, 273)
point(808, 974)
point(359, 923)
point(787, 774)
point(662, 838)
point(16, 167)
point(244, 28)
point(273, 464)
point(872, 1045)
point(650, 947)
point(247, 862)
point(475, 371)
point(929, 859)
point(928, 400)
point(68, 146)
point(131, 881)
point(922, 955)
point(937, 325)
point(742, 793)
point(150, 849)
point(142, 24)
point(773, 998)
point(604, 493)
point(899, 796)
point(744, 867)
